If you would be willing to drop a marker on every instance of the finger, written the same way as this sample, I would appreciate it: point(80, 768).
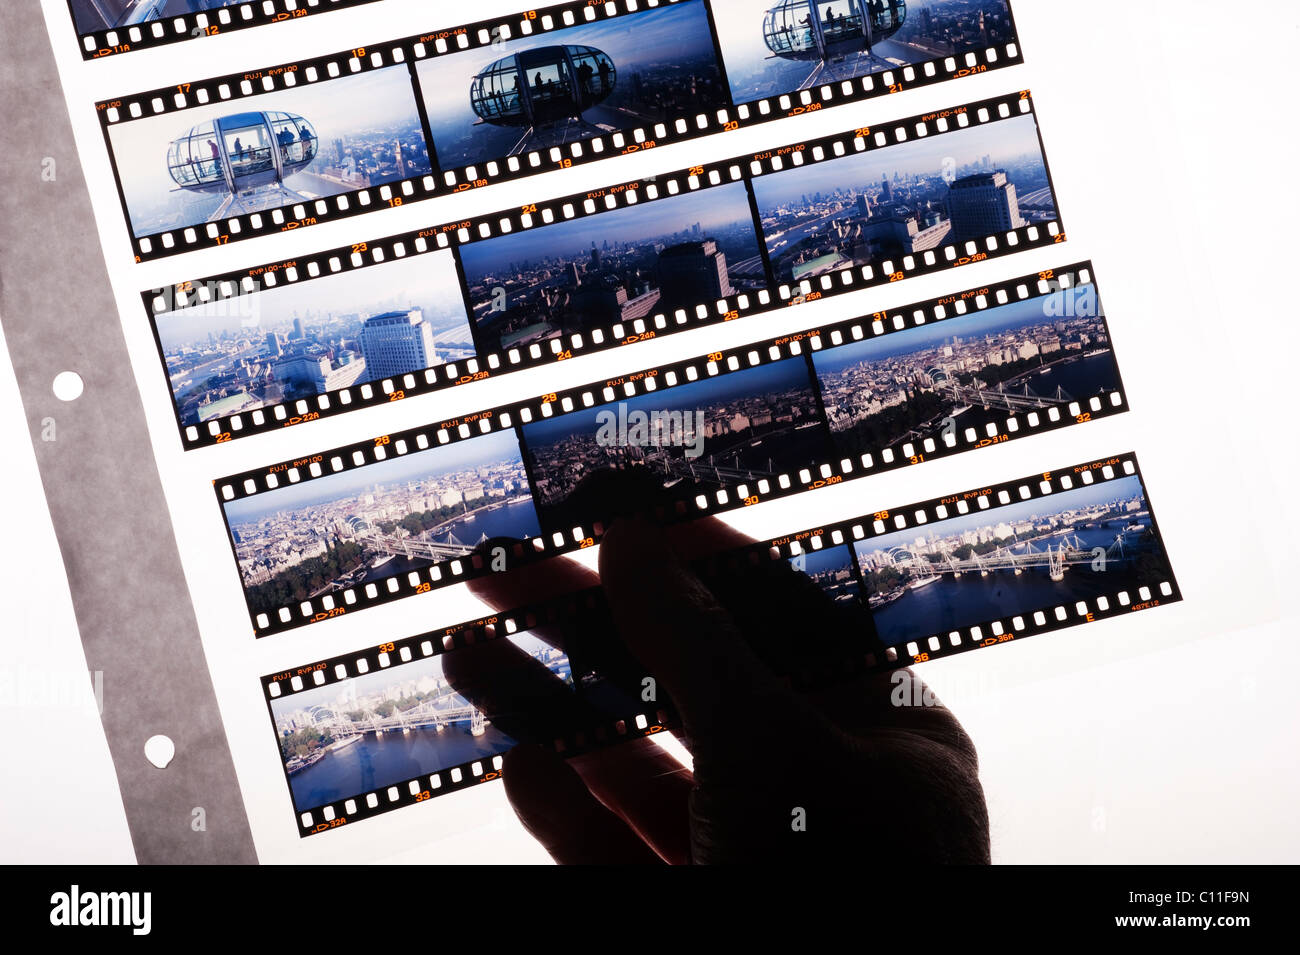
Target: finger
point(532, 584)
point(676, 628)
point(516, 692)
point(789, 621)
point(768, 598)
point(556, 807)
point(606, 495)
point(524, 699)
point(647, 788)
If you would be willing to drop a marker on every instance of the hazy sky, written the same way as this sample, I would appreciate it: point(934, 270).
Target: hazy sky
point(1010, 316)
point(712, 208)
point(379, 680)
point(417, 280)
point(414, 466)
point(1117, 490)
point(339, 107)
point(697, 396)
point(680, 31)
point(1002, 140)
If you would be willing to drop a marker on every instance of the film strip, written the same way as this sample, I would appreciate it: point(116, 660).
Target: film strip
point(403, 514)
point(976, 569)
point(591, 271)
point(541, 93)
point(110, 27)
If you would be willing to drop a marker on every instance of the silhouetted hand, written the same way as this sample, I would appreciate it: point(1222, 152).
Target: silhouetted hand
point(780, 773)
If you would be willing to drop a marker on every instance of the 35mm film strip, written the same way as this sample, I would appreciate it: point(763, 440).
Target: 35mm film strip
point(403, 513)
point(109, 27)
point(434, 713)
point(381, 320)
point(293, 145)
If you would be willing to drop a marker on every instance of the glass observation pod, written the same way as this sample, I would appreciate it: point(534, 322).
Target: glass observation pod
point(823, 29)
point(544, 85)
point(241, 151)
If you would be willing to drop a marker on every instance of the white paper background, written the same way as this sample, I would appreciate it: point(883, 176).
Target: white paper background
point(1164, 736)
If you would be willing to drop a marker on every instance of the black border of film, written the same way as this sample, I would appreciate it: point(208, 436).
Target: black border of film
point(410, 50)
point(972, 635)
point(742, 169)
point(113, 41)
point(514, 416)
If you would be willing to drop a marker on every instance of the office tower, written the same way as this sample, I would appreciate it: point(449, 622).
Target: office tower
point(982, 204)
point(394, 343)
point(693, 272)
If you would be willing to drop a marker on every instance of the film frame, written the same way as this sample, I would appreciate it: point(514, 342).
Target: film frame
point(971, 635)
point(833, 468)
point(412, 50)
point(230, 287)
point(165, 30)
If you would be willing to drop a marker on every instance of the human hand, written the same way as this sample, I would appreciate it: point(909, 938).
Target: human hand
point(781, 772)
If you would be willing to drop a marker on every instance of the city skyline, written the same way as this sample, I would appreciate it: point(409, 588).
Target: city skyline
point(394, 518)
point(904, 199)
point(737, 385)
point(346, 109)
point(613, 268)
point(819, 561)
point(1077, 498)
point(437, 461)
point(297, 341)
point(1002, 318)
point(380, 681)
point(714, 208)
point(966, 374)
point(430, 279)
point(834, 570)
point(1002, 141)
point(745, 425)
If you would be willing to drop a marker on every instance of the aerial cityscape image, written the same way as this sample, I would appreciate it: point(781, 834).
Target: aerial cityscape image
point(374, 522)
point(986, 565)
point(296, 341)
point(93, 15)
point(270, 150)
point(616, 266)
point(567, 85)
point(781, 46)
point(371, 731)
point(905, 198)
point(833, 570)
point(743, 426)
point(966, 372)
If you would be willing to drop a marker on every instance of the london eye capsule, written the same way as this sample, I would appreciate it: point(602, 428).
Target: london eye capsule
point(242, 151)
point(824, 29)
point(545, 85)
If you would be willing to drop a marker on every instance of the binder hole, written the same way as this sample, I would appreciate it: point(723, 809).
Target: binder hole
point(68, 386)
point(159, 750)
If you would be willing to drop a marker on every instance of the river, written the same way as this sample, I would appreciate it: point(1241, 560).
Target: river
point(952, 603)
point(375, 762)
point(517, 520)
point(1081, 378)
